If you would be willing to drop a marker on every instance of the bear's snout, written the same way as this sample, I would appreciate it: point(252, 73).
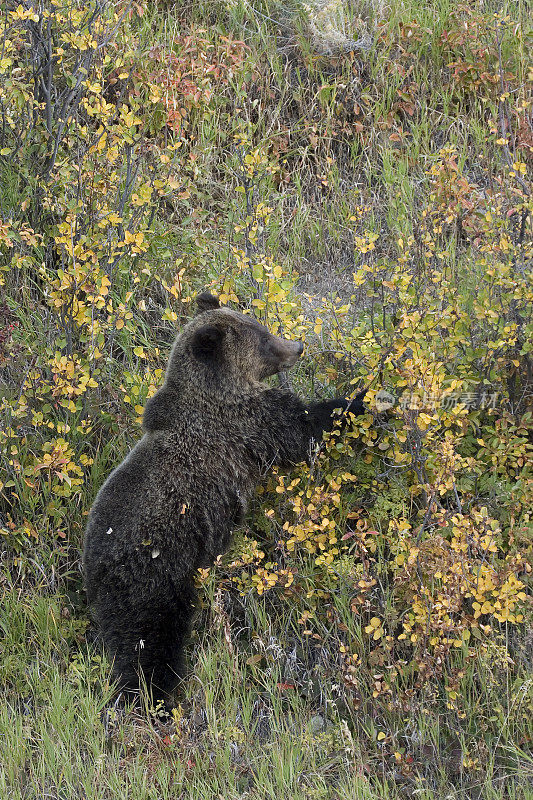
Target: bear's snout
point(278, 354)
point(288, 352)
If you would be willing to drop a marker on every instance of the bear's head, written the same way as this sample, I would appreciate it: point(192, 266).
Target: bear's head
point(228, 343)
point(220, 354)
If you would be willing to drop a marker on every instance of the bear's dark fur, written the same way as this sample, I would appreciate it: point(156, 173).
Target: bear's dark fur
point(211, 432)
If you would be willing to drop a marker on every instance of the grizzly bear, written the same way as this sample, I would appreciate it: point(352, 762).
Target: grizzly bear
point(210, 433)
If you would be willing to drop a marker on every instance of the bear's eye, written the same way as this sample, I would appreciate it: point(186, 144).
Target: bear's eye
point(264, 341)
point(266, 346)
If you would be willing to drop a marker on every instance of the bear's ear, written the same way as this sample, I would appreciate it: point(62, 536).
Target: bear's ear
point(207, 302)
point(206, 342)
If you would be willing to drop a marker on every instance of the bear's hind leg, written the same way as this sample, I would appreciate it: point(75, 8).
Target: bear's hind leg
point(161, 659)
point(146, 639)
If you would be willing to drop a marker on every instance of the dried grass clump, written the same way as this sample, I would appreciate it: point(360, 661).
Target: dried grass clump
point(338, 26)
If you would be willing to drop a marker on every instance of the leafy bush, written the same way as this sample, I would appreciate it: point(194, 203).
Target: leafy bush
point(140, 162)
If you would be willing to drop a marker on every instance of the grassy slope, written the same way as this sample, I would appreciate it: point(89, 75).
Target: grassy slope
point(243, 731)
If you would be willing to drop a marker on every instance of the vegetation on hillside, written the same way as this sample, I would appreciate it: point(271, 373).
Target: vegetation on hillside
point(358, 176)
